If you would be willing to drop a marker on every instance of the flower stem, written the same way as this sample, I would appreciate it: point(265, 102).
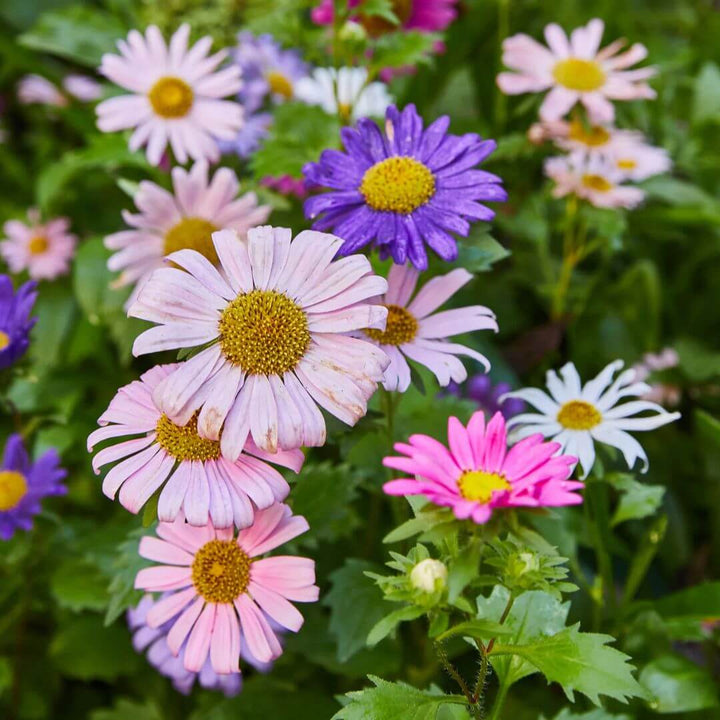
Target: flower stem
point(499, 702)
point(570, 259)
point(597, 508)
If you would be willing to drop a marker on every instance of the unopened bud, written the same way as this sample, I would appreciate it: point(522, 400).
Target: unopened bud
point(352, 32)
point(425, 574)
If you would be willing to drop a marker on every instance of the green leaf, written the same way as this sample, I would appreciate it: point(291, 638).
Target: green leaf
point(55, 309)
point(677, 684)
point(129, 710)
point(324, 495)
point(86, 650)
point(91, 282)
point(463, 569)
point(402, 49)
point(706, 100)
point(637, 499)
point(379, 8)
point(480, 629)
point(387, 624)
point(78, 585)
point(80, 33)
point(126, 565)
point(698, 362)
point(580, 662)
point(394, 701)
point(356, 605)
point(480, 251)
point(699, 603)
point(597, 714)
point(679, 192)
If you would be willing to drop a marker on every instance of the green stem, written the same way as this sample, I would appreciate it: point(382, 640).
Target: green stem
point(452, 672)
point(503, 32)
point(569, 261)
point(597, 504)
point(499, 702)
point(503, 618)
point(644, 557)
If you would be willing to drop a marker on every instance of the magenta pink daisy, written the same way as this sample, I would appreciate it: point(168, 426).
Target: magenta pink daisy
point(414, 330)
point(274, 326)
point(221, 590)
point(176, 95)
point(478, 473)
point(185, 218)
point(43, 249)
point(196, 480)
point(575, 70)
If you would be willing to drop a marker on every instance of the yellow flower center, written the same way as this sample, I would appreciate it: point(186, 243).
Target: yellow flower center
point(478, 485)
point(345, 111)
point(397, 184)
point(171, 97)
point(264, 332)
point(279, 84)
point(220, 571)
point(13, 488)
point(38, 245)
point(193, 233)
point(376, 25)
point(183, 441)
point(597, 182)
point(593, 136)
point(580, 75)
point(626, 164)
point(4, 340)
point(579, 415)
point(401, 327)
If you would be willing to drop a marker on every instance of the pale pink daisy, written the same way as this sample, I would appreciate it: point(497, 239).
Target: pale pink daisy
point(83, 88)
point(35, 89)
point(43, 249)
point(413, 332)
point(177, 95)
point(575, 70)
point(185, 218)
point(592, 178)
point(195, 479)
point(274, 324)
point(223, 590)
point(478, 473)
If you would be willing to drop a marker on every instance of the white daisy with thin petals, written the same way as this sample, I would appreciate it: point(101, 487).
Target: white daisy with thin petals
point(414, 330)
point(577, 416)
point(274, 322)
point(185, 218)
point(575, 70)
point(176, 95)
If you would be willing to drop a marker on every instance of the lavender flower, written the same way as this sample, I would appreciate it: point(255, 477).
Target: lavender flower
point(15, 320)
point(481, 390)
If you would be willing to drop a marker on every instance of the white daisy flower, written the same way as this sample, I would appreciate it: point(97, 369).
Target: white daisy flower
point(345, 91)
point(577, 416)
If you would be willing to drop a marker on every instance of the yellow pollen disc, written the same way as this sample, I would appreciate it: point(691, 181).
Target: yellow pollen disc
point(264, 332)
point(579, 415)
point(279, 84)
point(398, 184)
point(597, 182)
point(183, 441)
point(478, 485)
point(171, 97)
point(38, 245)
point(13, 488)
point(593, 136)
point(193, 233)
point(580, 75)
point(4, 340)
point(401, 327)
point(220, 571)
point(376, 25)
point(627, 164)
point(345, 111)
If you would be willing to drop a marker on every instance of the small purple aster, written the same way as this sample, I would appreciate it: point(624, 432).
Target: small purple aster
point(15, 320)
point(481, 389)
point(268, 71)
point(250, 136)
point(159, 655)
point(403, 189)
point(23, 484)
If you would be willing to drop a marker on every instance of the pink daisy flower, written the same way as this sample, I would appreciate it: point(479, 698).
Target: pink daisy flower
point(413, 332)
point(421, 15)
point(195, 479)
point(185, 218)
point(43, 249)
point(575, 70)
point(222, 588)
point(274, 328)
point(176, 95)
point(35, 89)
point(478, 473)
point(592, 178)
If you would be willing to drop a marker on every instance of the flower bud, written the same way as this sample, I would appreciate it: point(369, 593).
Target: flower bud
point(425, 574)
point(352, 32)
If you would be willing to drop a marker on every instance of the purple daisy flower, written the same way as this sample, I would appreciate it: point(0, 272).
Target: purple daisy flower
point(159, 655)
point(403, 189)
point(23, 484)
point(267, 70)
point(15, 320)
point(481, 390)
point(249, 137)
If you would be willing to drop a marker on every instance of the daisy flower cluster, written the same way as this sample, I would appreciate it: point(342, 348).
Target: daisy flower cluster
point(577, 113)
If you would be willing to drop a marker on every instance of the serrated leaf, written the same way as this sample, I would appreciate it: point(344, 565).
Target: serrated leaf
point(480, 251)
point(356, 605)
point(403, 49)
point(394, 701)
point(637, 500)
point(677, 684)
point(386, 625)
point(78, 585)
point(580, 662)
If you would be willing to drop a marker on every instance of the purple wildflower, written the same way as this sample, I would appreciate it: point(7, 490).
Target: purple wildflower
point(15, 320)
